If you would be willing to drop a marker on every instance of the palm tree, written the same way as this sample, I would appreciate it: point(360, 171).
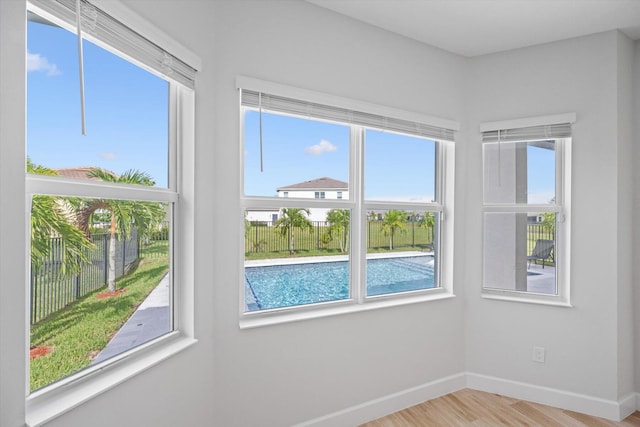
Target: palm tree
point(394, 220)
point(290, 219)
point(428, 221)
point(52, 217)
point(124, 214)
point(339, 220)
point(549, 223)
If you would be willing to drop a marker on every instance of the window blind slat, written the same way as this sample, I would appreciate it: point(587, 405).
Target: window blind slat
point(533, 133)
point(120, 37)
point(292, 106)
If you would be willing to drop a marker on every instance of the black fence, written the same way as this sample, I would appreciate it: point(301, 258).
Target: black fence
point(51, 290)
point(262, 236)
point(537, 232)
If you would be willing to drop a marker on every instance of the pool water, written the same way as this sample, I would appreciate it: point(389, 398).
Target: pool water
point(297, 284)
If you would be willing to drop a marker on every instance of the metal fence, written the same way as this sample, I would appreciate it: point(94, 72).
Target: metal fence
point(51, 290)
point(264, 237)
point(537, 232)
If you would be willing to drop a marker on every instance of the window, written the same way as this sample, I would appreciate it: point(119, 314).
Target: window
point(380, 239)
point(285, 194)
point(106, 215)
point(409, 214)
point(526, 205)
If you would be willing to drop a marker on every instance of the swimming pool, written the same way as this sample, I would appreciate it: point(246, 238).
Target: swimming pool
point(275, 286)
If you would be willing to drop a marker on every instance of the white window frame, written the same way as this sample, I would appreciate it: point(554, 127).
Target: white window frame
point(57, 398)
point(561, 207)
point(358, 301)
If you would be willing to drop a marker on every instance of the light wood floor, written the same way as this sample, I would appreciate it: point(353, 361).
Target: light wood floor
point(479, 409)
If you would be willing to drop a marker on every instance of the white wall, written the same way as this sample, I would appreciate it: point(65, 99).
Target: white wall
point(294, 372)
point(636, 211)
point(12, 221)
point(626, 380)
point(582, 342)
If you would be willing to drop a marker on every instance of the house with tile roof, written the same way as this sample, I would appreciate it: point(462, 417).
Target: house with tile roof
point(80, 172)
point(319, 188)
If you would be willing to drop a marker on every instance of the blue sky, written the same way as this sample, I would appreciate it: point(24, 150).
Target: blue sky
point(294, 150)
point(397, 167)
point(127, 128)
point(540, 174)
point(126, 108)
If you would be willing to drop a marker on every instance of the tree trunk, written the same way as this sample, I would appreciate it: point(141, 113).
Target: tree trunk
point(344, 244)
point(391, 240)
point(292, 241)
point(111, 278)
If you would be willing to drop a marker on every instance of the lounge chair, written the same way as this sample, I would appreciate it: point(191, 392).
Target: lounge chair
point(541, 251)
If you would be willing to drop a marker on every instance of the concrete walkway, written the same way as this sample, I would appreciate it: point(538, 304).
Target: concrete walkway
point(151, 320)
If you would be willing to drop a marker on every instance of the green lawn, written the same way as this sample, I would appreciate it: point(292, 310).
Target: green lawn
point(78, 332)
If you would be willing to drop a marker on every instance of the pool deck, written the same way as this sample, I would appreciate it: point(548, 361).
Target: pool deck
point(541, 280)
point(329, 258)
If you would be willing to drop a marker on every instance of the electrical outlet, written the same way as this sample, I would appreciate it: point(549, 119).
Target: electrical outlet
point(538, 354)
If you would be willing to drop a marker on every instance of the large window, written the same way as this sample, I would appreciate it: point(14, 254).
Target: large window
point(364, 207)
point(526, 211)
point(105, 278)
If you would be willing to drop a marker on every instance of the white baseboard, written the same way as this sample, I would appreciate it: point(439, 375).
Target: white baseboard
point(609, 409)
point(628, 405)
point(376, 408)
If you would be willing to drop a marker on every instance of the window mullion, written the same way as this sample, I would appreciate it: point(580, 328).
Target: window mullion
point(358, 233)
point(173, 130)
point(515, 208)
point(57, 186)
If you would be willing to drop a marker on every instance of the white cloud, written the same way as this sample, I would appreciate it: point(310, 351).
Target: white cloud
point(323, 147)
point(108, 155)
point(37, 62)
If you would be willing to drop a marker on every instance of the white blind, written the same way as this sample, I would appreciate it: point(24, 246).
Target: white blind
point(531, 133)
point(114, 33)
point(297, 107)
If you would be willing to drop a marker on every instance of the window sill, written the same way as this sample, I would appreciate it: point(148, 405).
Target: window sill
point(522, 297)
point(54, 400)
point(275, 317)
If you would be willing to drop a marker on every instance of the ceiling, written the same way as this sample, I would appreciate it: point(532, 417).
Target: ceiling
point(477, 27)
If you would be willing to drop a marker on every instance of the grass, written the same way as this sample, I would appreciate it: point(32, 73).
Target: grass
point(78, 332)
point(155, 248)
point(322, 252)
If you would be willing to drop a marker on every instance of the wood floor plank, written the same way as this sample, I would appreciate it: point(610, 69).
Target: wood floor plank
point(472, 408)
